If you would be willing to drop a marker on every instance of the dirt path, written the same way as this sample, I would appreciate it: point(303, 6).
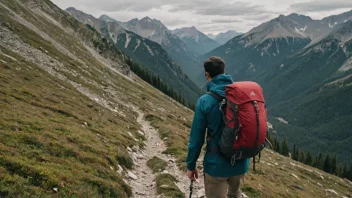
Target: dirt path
point(144, 185)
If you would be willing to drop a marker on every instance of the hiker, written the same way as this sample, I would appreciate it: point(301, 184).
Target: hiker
point(220, 176)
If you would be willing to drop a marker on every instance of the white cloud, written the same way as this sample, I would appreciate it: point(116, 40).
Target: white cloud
point(208, 16)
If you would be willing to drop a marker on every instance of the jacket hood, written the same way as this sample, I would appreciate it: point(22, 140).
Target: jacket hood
point(218, 83)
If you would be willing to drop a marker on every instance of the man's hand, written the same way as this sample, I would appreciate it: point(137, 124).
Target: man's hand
point(193, 175)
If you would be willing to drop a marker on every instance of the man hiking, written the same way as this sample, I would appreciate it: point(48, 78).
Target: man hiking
point(221, 178)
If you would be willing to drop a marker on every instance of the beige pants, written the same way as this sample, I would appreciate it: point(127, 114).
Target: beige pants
point(217, 187)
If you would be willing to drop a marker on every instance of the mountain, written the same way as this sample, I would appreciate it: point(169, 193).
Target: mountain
point(223, 37)
point(250, 53)
point(76, 122)
point(211, 35)
point(314, 94)
point(304, 67)
point(156, 31)
point(145, 52)
point(196, 40)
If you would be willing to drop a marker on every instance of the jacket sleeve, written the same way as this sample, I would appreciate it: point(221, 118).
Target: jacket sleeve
point(197, 136)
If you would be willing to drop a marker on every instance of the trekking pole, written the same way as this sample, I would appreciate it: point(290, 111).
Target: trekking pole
point(191, 189)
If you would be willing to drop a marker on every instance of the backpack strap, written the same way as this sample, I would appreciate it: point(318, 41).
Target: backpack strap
point(222, 104)
point(216, 96)
point(255, 104)
point(215, 150)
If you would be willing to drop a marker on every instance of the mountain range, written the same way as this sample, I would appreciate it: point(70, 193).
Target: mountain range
point(154, 30)
point(304, 66)
point(144, 51)
point(223, 37)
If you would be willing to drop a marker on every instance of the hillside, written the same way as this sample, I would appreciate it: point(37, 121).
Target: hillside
point(315, 94)
point(76, 122)
point(144, 51)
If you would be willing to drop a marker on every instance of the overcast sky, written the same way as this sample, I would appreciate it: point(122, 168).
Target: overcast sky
point(209, 16)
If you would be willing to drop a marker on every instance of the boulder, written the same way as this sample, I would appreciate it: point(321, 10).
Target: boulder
point(164, 186)
point(165, 172)
point(331, 191)
point(132, 175)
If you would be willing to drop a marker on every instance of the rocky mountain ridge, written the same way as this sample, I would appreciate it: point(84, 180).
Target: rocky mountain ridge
point(196, 40)
point(223, 37)
point(143, 51)
point(156, 31)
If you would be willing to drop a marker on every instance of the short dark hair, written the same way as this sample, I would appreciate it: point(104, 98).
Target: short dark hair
point(214, 66)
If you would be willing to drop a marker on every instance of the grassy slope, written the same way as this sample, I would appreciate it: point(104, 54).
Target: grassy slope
point(53, 136)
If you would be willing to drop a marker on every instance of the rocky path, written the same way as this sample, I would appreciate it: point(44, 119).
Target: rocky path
point(142, 179)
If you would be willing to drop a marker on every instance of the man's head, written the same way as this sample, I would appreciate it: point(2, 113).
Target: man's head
point(213, 67)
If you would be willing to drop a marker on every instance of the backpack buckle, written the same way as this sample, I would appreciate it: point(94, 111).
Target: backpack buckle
point(221, 104)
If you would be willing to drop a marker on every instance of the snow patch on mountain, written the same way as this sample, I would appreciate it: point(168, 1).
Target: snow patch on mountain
point(113, 37)
point(282, 120)
point(251, 68)
point(138, 43)
point(150, 50)
point(339, 82)
point(347, 66)
point(301, 31)
point(128, 39)
point(333, 25)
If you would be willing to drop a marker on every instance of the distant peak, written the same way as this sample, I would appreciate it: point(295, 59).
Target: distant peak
point(146, 18)
point(296, 16)
point(230, 31)
point(71, 9)
point(293, 14)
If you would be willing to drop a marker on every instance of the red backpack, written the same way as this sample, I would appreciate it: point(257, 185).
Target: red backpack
point(244, 114)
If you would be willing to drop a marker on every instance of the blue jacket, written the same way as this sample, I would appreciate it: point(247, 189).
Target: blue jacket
point(208, 117)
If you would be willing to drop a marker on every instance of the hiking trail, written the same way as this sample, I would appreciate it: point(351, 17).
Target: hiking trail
point(142, 178)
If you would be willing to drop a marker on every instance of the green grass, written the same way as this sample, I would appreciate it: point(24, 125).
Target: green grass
point(166, 186)
point(156, 164)
point(52, 136)
point(250, 192)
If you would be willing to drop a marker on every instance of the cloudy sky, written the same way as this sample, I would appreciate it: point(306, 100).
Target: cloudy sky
point(209, 16)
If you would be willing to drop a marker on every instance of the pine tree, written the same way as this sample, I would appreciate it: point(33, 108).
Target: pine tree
point(334, 165)
point(301, 157)
point(284, 146)
point(344, 170)
point(294, 153)
point(327, 164)
point(349, 173)
point(320, 163)
point(308, 159)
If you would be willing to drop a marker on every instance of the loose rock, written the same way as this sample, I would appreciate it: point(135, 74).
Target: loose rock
point(132, 175)
point(331, 191)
